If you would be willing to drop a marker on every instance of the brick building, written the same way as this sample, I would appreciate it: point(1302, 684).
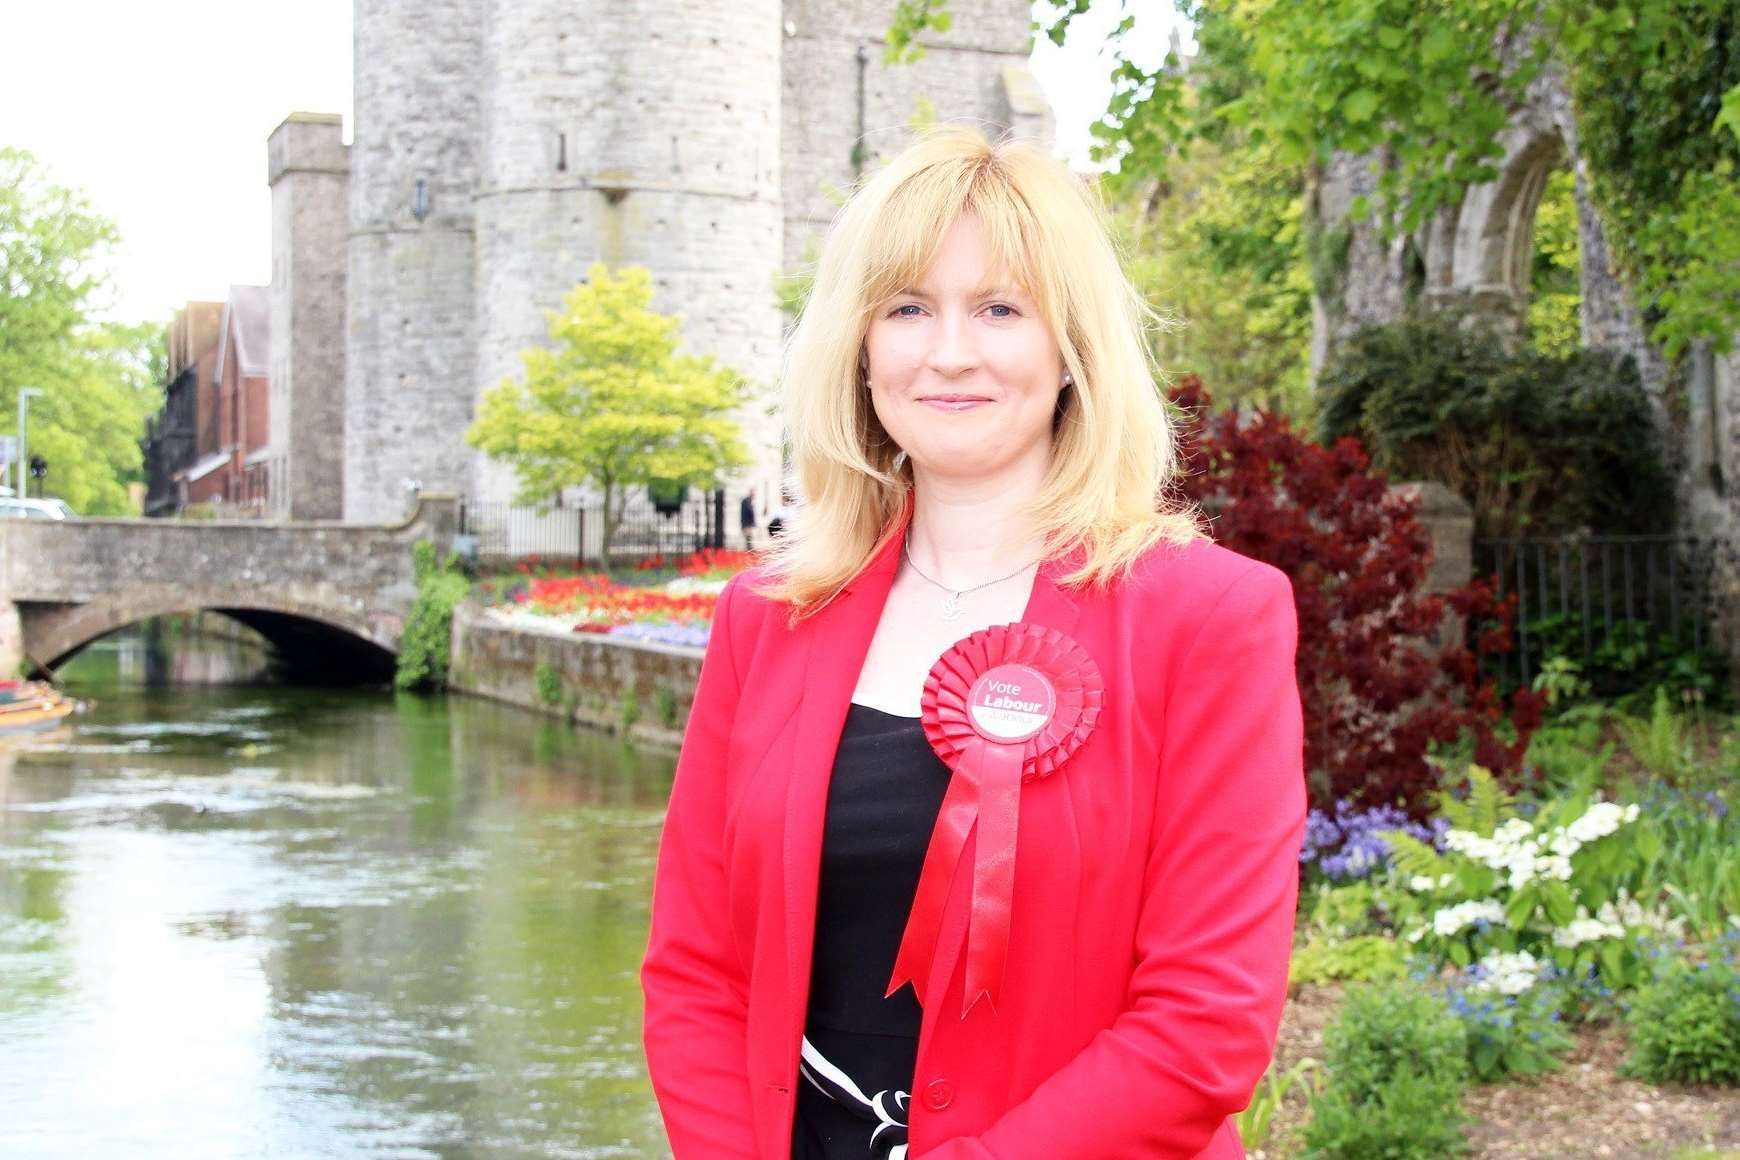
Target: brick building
point(208, 445)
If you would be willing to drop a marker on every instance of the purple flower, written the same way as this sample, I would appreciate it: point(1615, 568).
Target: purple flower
point(1346, 844)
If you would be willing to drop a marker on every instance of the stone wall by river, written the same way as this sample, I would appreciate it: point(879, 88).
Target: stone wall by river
point(638, 689)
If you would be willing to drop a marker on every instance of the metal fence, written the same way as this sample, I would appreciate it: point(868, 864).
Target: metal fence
point(508, 533)
point(1578, 594)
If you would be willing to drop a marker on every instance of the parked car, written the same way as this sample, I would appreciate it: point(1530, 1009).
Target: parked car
point(14, 508)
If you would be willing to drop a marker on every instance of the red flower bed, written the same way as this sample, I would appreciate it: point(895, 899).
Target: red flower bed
point(708, 561)
point(611, 604)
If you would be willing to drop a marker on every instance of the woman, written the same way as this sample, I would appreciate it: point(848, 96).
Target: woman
point(977, 440)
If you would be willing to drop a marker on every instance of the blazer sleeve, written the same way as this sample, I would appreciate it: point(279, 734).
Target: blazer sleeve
point(695, 1029)
point(1215, 927)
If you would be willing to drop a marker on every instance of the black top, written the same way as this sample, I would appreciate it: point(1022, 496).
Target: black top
point(883, 796)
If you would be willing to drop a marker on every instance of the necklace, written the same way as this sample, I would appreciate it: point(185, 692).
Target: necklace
point(951, 608)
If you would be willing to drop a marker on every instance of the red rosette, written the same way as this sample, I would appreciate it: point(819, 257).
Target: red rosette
point(1006, 706)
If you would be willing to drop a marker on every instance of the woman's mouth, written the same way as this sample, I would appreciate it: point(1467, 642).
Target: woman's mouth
point(953, 402)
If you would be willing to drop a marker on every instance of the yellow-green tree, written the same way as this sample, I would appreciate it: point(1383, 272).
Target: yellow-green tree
point(611, 403)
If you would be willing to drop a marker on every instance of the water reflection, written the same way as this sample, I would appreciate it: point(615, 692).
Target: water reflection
point(206, 648)
point(293, 922)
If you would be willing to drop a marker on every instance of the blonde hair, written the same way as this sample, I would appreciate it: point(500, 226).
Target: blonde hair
point(1113, 450)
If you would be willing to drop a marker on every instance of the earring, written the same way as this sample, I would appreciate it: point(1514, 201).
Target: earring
point(1068, 379)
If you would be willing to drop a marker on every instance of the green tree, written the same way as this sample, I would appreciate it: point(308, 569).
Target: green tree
point(612, 403)
point(1425, 89)
point(99, 379)
point(1219, 247)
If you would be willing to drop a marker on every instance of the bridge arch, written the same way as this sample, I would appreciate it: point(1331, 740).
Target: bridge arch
point(324, 640)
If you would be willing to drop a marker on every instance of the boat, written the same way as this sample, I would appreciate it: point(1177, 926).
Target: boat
point(32, 707)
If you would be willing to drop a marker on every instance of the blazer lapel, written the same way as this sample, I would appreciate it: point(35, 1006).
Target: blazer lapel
point(836, 640)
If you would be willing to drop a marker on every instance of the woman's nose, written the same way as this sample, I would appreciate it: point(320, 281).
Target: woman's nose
point(953, 352)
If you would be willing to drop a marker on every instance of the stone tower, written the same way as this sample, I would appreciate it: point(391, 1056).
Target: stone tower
point(411, 355)
point(659, 149)
point(308, 168)
point(501, 147)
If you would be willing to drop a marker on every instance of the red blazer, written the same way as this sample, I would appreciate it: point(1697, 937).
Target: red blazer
point(1156, 876)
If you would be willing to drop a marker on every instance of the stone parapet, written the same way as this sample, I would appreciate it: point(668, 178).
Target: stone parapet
point(75, 580)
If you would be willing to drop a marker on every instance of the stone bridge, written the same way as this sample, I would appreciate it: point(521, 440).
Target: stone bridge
point(332, 597)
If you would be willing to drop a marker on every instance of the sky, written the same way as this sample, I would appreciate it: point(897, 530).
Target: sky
point(159, 110)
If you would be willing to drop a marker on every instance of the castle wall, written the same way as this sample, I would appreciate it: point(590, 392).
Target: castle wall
point(546, 137)
point(308, 168)
point(410, 374)
point(660, 150)
point(976, 72)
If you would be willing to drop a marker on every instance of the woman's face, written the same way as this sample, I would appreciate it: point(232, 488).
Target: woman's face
point(964, 375)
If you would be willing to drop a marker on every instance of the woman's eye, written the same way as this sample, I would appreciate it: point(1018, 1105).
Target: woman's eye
point(1009, 311)
point(900, 311)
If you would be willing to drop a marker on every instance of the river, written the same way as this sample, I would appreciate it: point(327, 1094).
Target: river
point(258, 921)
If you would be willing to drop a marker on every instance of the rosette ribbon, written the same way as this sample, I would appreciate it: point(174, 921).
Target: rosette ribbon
point(1007, 705)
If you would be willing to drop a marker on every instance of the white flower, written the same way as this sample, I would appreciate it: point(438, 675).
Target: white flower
point(1584, 929)
point(1507, 974)
point(1599, 820)
point(1452, 919)
point(1628, 914)
point(1425, 883)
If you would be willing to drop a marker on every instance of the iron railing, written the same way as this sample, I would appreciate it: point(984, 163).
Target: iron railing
point(1576, 593)
point(507, 533)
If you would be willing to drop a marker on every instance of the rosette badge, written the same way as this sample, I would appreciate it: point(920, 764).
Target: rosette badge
point(1006, 705)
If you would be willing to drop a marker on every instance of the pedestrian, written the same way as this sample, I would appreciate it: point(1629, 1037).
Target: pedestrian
point(746, 518)
point(984, 836)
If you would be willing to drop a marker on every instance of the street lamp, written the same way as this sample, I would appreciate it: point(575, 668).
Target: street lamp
point(25, 394)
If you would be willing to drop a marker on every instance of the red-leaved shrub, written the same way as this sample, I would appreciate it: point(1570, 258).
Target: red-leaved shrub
point(1376, 688)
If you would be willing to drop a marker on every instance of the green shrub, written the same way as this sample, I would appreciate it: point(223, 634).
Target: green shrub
point(665, 706)
point(1568, 750)
point(1534, 442)
point(1512, 1035)
point(630, 708)
point(1397, 1064)
point(548, 683)
point(1629, 663)
point(1344, 910)
point(1363, 959)
point(427, 644)
point(1685, 1024)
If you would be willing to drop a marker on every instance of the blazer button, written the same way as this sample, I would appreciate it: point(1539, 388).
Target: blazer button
point(938, 1094)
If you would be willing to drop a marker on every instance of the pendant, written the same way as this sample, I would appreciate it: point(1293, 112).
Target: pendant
point(951, 609)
